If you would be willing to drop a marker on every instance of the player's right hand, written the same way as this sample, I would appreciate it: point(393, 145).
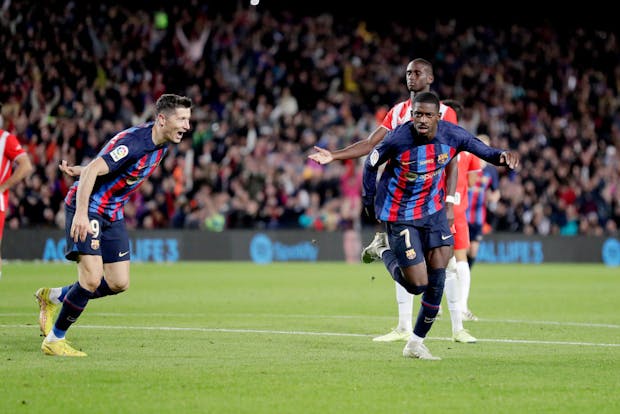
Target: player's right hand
point(80, 227)
point(369, 210)
point(322, 156)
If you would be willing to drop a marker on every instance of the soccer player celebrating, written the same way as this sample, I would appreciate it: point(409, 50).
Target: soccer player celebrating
point(95, 229)
point(409, 199)
point(419, 77)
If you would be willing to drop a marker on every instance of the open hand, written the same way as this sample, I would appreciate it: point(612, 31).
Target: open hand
point(322, 156)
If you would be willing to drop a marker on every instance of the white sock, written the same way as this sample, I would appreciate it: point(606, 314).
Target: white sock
point(55, 294)
point(415, 338)
point(453, 297)
point(464, 278)
point(405, 308)
point(51, 337)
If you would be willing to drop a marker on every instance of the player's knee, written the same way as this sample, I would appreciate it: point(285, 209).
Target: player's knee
point(416, 289)
point(119, 287)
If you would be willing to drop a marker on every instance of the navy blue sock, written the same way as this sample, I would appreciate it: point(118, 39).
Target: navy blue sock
point(431, 299)
point(103, 290)
point(72, 306)
point(471, 261)
point(391, 263)
point(64, 290)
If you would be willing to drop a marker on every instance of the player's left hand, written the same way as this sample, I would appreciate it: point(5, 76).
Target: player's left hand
point(510, 158)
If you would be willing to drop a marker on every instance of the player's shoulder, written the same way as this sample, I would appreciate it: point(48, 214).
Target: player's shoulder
point(402, 129)
point(402, 105)
point(446, 127)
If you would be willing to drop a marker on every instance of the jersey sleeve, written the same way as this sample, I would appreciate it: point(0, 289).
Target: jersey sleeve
point(13, 148)
point(387, 120)
point(465, 141)
point(122, 152)
point(450, 116)
point(378, 156)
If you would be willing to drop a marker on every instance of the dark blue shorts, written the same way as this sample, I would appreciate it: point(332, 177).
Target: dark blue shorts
point(110, 241)
point(475, 232)
point(410, 241)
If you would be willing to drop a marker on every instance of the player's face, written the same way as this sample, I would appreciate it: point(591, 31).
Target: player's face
point(176, 124)
point(418, 78)
point(425, 118)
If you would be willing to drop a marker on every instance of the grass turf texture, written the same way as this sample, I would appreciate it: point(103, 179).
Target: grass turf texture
point(296, 338)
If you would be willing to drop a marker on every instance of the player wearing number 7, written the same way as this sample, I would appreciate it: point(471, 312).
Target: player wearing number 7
point(95, 229)
point(409, 199)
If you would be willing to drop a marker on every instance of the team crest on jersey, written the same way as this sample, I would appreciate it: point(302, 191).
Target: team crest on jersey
point(94, 244)
point(374, 157)
point(442, 158)
point(410, 253)
point(119, 153)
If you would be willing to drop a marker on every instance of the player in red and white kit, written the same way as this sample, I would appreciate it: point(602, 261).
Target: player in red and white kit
point(483, 195)
point(419, 77)
point(11, 152)
point(457, 273)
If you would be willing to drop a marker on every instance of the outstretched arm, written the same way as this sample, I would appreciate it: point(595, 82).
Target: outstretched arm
point(355, 150)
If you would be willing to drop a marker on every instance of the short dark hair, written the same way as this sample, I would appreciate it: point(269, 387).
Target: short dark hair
point(169, 102)
point(424, 62)
point(427, 97)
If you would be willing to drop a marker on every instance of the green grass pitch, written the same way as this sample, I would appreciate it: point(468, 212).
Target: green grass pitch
point(297, 338)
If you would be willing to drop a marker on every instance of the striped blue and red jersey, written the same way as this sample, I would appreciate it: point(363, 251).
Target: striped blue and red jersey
point(488, 179)
point(411, 186)
point(131, 156)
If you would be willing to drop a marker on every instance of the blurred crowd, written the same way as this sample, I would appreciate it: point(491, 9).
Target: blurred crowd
point(269, 85)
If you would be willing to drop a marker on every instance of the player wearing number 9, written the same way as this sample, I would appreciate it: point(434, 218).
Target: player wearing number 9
point(95, 229)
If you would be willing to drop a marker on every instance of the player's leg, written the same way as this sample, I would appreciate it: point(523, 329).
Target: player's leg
point(116, 258)
point(402, 332)
point(453, 286)
point(461, 244)
point(87, 254)
point(404, 299)
point(475, 237)
point(453, 297)
point(433, 240)
point(404, 260)
point(429, 304)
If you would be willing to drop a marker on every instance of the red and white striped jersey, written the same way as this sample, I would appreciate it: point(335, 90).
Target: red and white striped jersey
point(401, 113)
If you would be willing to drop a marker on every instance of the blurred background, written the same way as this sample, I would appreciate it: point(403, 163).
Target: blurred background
point(270, 81)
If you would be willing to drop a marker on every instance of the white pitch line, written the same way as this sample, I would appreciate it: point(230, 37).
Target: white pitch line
point(341, 334)
point(292, 316)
